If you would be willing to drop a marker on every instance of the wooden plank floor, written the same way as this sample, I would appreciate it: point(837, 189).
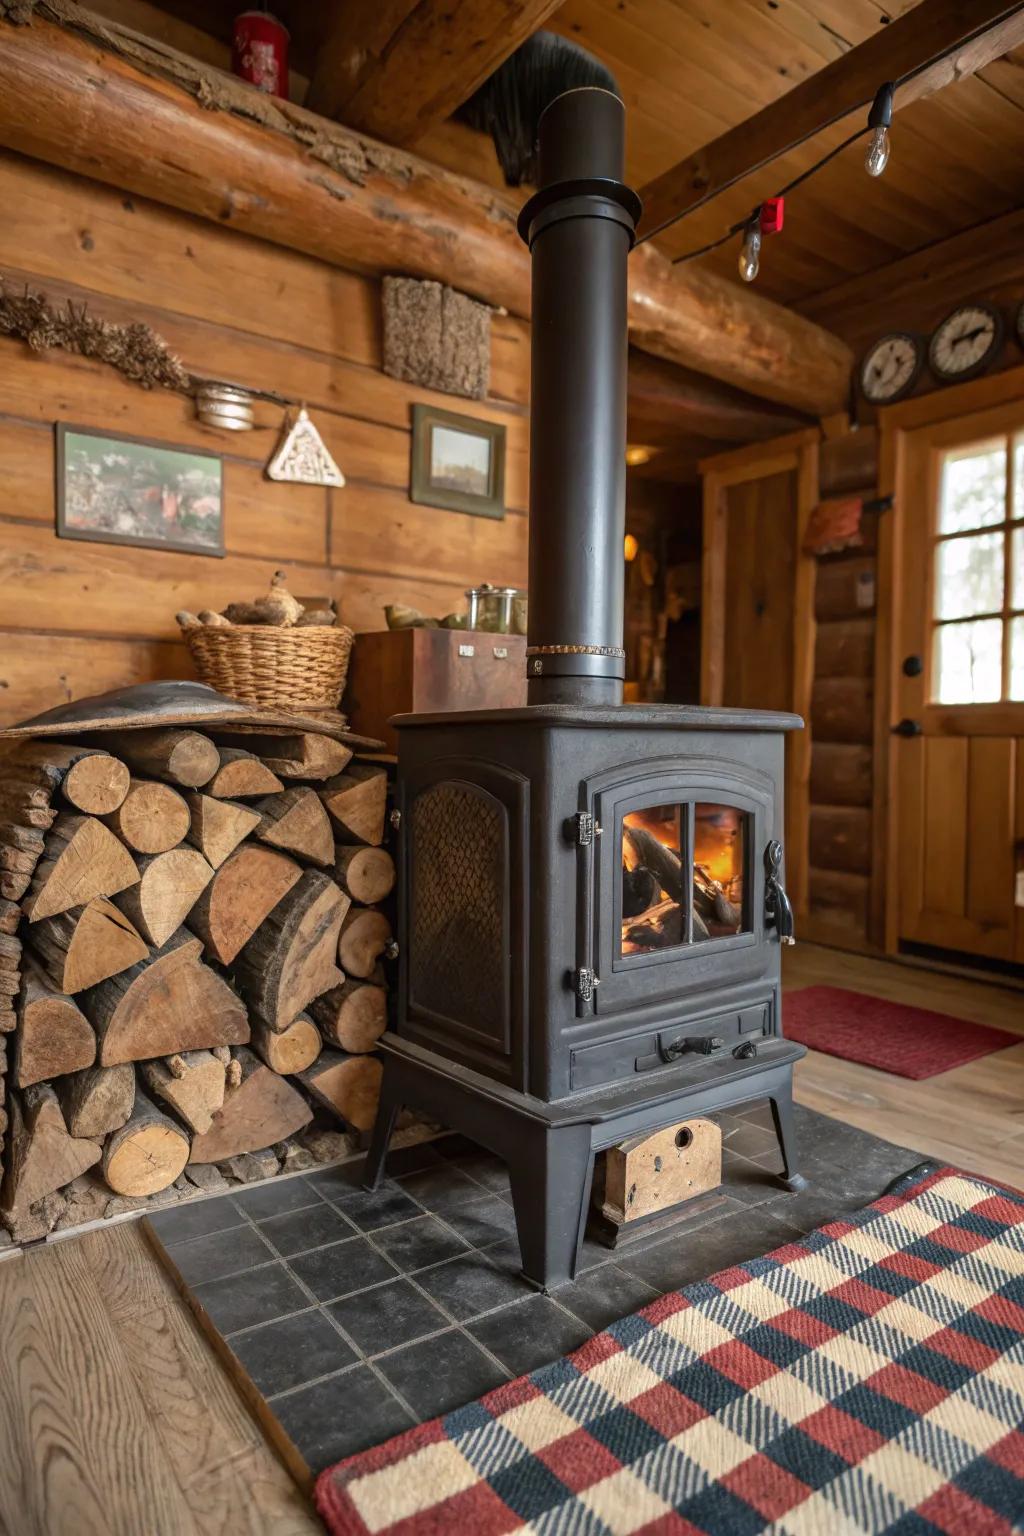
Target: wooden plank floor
point(972, 1117)
point(116, 1418)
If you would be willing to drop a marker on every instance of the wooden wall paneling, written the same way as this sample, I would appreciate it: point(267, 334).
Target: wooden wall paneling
point(799, 747)
point(845, 589)
point(712, 602)
point(838, 902)
point(845, 648)
point(944, 841)
point(40, 670)
point(990, 833)
point(841, 709)
point(840, 838)
point(760, 584)
point(377, 530)
point(1019, 853)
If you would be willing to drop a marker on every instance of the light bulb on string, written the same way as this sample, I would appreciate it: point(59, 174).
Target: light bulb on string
point(879, 121)
point(750, 251)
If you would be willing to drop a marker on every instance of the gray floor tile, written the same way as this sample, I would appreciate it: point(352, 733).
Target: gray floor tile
point(415, 1244)
point(311, 1228)
point(466, 1287)
point(340, 1416)
point(220, 1253)
point(671, 1264)
point(276, 1197)
point(440, 1374)
point(605, 1295)
point(254, 1297)
point(530, 1334)
point(292, 1351)
point(341, 1268)
point(198, 1220)
point(388, 1316)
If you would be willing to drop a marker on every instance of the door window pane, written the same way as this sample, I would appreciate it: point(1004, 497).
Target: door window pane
point(654, 864)
point(1017, 568)
point(1017, 659)
point(968, 662)
point(972, 492)
point(719, 857)
point(969, 576)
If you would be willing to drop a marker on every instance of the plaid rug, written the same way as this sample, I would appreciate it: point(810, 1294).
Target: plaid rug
point(866, 1379)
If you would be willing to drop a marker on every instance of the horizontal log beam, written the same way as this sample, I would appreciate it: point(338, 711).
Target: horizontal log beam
point(933, 43)
point(396, 71)
point(209, 145)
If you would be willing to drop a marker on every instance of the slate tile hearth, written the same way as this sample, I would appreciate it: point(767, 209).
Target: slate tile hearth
point(358, 1315)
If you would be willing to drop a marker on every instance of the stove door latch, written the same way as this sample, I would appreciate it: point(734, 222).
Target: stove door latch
point(778, 910)
point(583, 983)
point(696, 1045)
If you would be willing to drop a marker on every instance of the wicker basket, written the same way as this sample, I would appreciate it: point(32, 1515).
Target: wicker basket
point(272, 667)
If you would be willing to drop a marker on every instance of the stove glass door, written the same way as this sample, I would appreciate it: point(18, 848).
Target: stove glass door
point(683, 875)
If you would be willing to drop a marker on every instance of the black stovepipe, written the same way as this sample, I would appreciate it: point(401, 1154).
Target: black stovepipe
point(580, 227)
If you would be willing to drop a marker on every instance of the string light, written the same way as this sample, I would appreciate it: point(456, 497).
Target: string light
point(879, 120)
point(762, 220)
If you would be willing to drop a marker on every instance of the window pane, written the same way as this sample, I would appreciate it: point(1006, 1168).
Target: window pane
point(1018, 476)
point(973, 488)
point(969, 576)
point(1017, 568)
point(968, 662)
point(654, 905)
point(1017, 659)
point(718, 858)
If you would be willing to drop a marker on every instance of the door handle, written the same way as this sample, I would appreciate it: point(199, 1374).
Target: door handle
point(907, 728)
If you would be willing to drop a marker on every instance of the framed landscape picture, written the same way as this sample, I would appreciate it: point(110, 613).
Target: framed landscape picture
point(126, 490)
point(458, 462)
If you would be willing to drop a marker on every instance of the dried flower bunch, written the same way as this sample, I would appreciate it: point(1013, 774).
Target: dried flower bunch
point(278, 607)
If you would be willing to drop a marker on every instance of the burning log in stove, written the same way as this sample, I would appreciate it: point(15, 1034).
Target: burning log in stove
point(651, 921)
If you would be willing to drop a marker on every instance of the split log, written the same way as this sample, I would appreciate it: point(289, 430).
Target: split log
point(365, 874)
point(296, 822)
point(242, 776)
point(348, 1085)
point(89, 778)
point(152, 819)
point(192, 1083)
point(303, 755)
point(241, 895)
point(180, 757)
point(167, 1003)
point(218, 826)
point(97, 1100)
point(42, 1157)
point(357, 801)
point(710, 901)
point(365, 935)
point(169, 886)
point(290, 959)
point(661, 927)
point(263, 1109)
point(148, 1152)
point(85, 945)
point(290, 1050)
point(54, 1036)
point(10, 916)
point(352, 1016)
point(83, 859)
point(664, 863)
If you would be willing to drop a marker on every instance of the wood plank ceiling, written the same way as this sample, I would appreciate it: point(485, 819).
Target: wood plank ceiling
point(689, 69)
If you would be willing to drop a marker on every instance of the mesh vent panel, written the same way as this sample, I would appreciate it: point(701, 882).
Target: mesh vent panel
point(457, 908)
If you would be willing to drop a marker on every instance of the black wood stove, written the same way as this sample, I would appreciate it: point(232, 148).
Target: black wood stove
point(591, 896)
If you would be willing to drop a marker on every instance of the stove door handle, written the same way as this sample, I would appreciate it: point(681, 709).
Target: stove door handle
point(778, 909)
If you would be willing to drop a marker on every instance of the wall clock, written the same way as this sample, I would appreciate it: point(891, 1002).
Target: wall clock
point(966, 342)
point(890, 369)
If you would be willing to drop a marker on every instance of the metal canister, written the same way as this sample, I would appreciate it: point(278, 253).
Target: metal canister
point(259, 52)
point(224, 406)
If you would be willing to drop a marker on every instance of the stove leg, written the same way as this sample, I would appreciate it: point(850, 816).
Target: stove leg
point(782, 1114)
point(383, 1127)
point(551, 1176)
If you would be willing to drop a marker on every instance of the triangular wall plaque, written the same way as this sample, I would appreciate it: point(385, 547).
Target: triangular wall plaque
point(302, 457)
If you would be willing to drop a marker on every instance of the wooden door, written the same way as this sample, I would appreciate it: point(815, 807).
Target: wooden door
point(957, 825)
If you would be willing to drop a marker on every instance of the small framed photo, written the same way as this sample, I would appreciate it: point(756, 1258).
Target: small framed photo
point(458, 462)
point(113, 489)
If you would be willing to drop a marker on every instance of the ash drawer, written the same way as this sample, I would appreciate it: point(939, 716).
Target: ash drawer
point(614, 1060)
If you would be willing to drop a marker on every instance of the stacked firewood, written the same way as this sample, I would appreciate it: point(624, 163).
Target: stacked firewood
point(190, 945)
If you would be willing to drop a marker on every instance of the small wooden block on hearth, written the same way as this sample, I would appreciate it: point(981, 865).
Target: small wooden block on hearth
point(651, 1177)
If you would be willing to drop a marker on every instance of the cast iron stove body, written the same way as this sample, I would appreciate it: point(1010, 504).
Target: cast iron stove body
point(590, 893)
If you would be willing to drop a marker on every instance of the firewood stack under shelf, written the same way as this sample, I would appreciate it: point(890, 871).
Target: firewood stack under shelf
point(191, 937)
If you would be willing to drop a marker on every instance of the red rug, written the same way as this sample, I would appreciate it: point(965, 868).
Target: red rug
point(909, 1042)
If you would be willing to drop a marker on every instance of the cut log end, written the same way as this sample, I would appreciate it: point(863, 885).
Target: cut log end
point(147, 1154)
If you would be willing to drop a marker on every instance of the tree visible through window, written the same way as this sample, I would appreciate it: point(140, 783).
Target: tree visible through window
point(978, 575)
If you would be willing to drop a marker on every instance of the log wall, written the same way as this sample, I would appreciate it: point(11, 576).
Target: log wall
point(80, 617)
point(842, 719)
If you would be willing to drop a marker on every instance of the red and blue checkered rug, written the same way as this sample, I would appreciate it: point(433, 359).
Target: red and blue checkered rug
point(866, 1379)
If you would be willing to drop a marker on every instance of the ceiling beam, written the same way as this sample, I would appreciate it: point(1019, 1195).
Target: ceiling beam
point(928, 47)
point(397, 68)
point(205, 143)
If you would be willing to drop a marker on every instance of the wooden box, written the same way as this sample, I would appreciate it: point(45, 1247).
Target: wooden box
point(420, 671)
point(649, 1180)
